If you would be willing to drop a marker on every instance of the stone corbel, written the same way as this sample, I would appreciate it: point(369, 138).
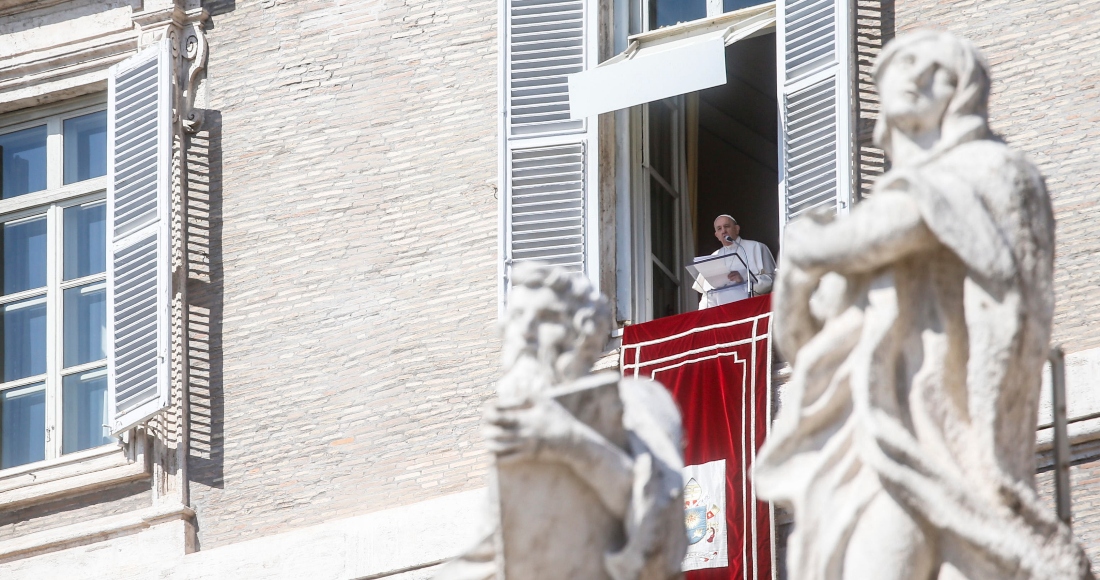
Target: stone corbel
point(193, 60)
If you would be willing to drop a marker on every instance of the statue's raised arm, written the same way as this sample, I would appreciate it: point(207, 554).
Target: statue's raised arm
point(917, 327)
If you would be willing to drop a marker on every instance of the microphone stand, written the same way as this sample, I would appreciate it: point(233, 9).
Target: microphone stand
point(752, 277)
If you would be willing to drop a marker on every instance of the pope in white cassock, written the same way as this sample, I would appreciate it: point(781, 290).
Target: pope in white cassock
point(756, 255)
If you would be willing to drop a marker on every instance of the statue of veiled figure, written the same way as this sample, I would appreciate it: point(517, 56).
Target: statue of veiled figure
point(917, 327)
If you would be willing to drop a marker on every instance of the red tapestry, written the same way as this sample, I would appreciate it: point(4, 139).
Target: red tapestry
point(717, 364)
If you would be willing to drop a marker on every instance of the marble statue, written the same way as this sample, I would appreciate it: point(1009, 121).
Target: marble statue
point(587, 467)
point(917, 327)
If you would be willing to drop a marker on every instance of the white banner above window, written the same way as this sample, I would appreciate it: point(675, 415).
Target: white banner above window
point(666, 62)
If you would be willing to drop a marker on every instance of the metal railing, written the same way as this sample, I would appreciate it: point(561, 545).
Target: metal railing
point(1061, 436)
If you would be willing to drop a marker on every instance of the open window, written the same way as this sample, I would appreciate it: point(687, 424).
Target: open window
point(84, 270)
point(707, 153)
point(742, 109)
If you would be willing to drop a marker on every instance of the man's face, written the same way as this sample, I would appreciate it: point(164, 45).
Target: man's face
point(917, 86)
point(723, 227)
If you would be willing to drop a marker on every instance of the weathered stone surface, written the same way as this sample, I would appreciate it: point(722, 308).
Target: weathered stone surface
point(541, 501)
point(587, 468)
point(917, 327)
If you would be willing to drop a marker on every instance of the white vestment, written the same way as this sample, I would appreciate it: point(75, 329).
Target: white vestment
point(760, 261)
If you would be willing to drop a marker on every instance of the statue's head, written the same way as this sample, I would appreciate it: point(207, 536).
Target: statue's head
point(555, 326)
point(931, 81)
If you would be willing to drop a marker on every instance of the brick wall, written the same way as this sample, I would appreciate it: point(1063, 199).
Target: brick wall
point(1045, 90)
point(346, 217)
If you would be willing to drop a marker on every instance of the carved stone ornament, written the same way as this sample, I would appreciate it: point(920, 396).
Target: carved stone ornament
point(917, 327)
point(587, 467)
point(193, 55)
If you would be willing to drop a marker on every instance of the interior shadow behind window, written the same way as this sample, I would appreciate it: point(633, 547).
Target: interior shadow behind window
point(668, 12)
point(731, 5)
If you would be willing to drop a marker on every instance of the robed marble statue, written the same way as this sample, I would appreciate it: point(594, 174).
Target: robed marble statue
point(917, 327)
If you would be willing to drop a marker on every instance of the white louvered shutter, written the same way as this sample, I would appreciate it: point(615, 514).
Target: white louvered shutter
point(548, 165)
point(816, 105)
point(138, 274)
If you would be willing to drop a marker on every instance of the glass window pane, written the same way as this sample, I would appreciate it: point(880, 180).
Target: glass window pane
point(665, 295)
point(85, 324)
point(84, 412)
point(85, 240)
point(22, 425)
point(23, 162)
point(669, 12)
point(23, 350)
point(731, 5)
point(85, 147)
point(23, 251)
point(662, 224)
point(660, 139)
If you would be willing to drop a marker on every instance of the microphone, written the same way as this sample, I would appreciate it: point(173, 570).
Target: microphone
point(747, 269)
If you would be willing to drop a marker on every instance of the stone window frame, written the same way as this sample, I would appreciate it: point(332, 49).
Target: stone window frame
point(73, 64)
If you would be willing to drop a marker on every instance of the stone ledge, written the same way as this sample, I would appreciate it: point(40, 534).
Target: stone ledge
point(10, 7)
point(609, 358)
point(91, 531)
point(401, 542)
point(73, 474)
point(1079, 433)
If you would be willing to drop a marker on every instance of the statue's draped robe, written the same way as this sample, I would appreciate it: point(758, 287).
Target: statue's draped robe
point(655, 541)
point(924, 383)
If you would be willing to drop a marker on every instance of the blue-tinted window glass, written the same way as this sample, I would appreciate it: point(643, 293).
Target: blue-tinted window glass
point(85, 147)
point(23, 349)
point(23, 252)
point(84, 412)
point(731, 5)
point(85, 240)
point(23, 162)
point(22, 425)
point(85, 324)
point(668, 12)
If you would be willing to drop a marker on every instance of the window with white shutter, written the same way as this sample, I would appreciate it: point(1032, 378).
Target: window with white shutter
point(547, 160)
point(815, 105)
point(138, 271)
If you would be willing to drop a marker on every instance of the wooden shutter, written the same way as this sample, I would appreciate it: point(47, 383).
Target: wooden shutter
point(547, 205)
point(815, 96)
point(138, 274)
point(546, 43)
point(547, 160)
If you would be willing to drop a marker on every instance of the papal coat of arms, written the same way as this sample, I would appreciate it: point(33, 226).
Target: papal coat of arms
point(695, 514)
point(704, 520)
point(700, 519)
